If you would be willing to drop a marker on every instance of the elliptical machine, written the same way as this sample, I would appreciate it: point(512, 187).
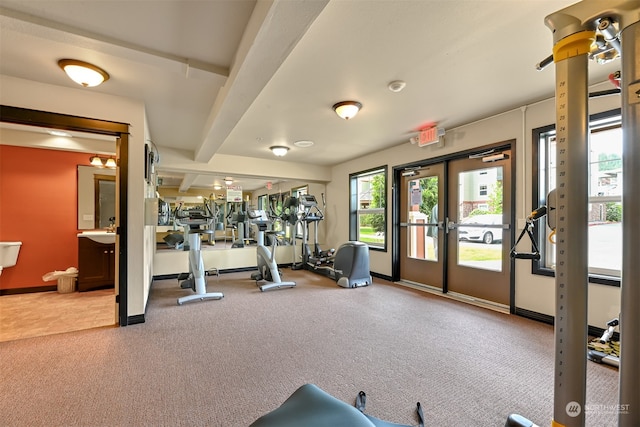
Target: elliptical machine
point(313, 215)
point(348, 266)
point(268, 276)
point(192, 219)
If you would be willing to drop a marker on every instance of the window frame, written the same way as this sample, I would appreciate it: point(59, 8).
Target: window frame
point(297, 192)
point(355, 210)
point(263, 201)
point(539, 267)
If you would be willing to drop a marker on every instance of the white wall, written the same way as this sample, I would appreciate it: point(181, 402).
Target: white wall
point(149, 232)
point(171, 262)
point(533, 292)
point(88, 103)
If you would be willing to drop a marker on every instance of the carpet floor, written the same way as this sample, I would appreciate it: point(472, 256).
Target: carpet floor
point(227, 362)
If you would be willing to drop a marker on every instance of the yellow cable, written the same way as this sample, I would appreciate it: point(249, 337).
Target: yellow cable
point(552, 236)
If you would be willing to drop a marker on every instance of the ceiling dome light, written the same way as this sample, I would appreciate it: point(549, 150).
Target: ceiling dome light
point(228, 181)
point(304, 143)
point(347, 109)
point(396, 85)
point(279, 150)
point(83, 73)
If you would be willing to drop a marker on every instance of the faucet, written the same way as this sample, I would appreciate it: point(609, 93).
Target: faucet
point(112, 225)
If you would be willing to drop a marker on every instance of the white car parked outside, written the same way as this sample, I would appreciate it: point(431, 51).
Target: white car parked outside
point(477, 232)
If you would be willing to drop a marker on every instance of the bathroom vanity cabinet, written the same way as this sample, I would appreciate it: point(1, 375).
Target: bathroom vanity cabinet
point(96, 264)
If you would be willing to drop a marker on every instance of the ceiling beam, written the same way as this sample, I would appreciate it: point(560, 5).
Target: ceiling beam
point(274, 29)
point(187, 182)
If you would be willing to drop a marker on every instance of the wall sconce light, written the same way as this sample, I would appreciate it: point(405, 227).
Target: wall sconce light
point(347, 109)
point(83, 73)
point(109, 162)
point(60, 133)
point(279, 150)
point(228, 181)
point(95, 161)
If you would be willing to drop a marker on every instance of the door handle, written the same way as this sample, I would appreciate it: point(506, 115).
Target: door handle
point(451, 225)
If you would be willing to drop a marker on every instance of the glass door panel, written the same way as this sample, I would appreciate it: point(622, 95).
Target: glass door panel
point(422, 215)
point(479, 233)
point(480, 218)
point(422, 232)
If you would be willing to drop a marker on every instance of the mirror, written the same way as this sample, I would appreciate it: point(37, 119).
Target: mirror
point(105, 200)
point(96, 197)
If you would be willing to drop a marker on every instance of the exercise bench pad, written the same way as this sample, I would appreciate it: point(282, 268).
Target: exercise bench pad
point(310, 406)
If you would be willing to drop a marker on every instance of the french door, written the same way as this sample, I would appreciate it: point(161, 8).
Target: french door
point(455, 232)
point(421, 236)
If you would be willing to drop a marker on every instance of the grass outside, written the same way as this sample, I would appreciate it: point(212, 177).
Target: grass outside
point(368, 235)
point(467, 253)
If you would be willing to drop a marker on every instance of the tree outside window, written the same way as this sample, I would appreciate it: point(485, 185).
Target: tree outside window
point(368, 208)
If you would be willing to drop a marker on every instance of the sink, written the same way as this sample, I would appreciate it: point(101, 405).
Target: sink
point(99, 236)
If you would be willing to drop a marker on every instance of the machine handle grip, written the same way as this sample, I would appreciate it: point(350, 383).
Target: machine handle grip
point(525, 255)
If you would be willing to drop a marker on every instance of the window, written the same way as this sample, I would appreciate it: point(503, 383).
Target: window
point(483, 190)
point(605, 196)
point(263, 204)
point(297, 192)
point(275, 209)
point(368, 218)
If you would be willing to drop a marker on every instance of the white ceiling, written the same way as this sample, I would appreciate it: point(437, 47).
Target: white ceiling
point(237, 76)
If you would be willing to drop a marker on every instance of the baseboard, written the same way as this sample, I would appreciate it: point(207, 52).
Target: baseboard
point(134, 320)
point(544, 318)
point(246, 269)
point(225, 271)
point(381, 276)
point(34, 289)
point(164, 277)
point(478, 302)
point(593, 331)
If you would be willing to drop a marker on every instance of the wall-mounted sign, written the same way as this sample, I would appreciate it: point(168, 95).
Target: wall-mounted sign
point(416, 196)
point(428, 136)
point(234, 194)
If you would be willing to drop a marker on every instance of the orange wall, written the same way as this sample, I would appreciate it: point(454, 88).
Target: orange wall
point(38, 196)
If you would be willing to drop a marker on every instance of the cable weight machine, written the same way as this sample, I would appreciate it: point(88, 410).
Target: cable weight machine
point(614, 26)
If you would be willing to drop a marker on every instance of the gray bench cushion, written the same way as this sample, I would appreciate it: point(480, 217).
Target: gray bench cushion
point(310, 406)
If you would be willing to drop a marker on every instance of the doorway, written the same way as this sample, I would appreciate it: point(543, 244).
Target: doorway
point(120, 131)
point(455, 229)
